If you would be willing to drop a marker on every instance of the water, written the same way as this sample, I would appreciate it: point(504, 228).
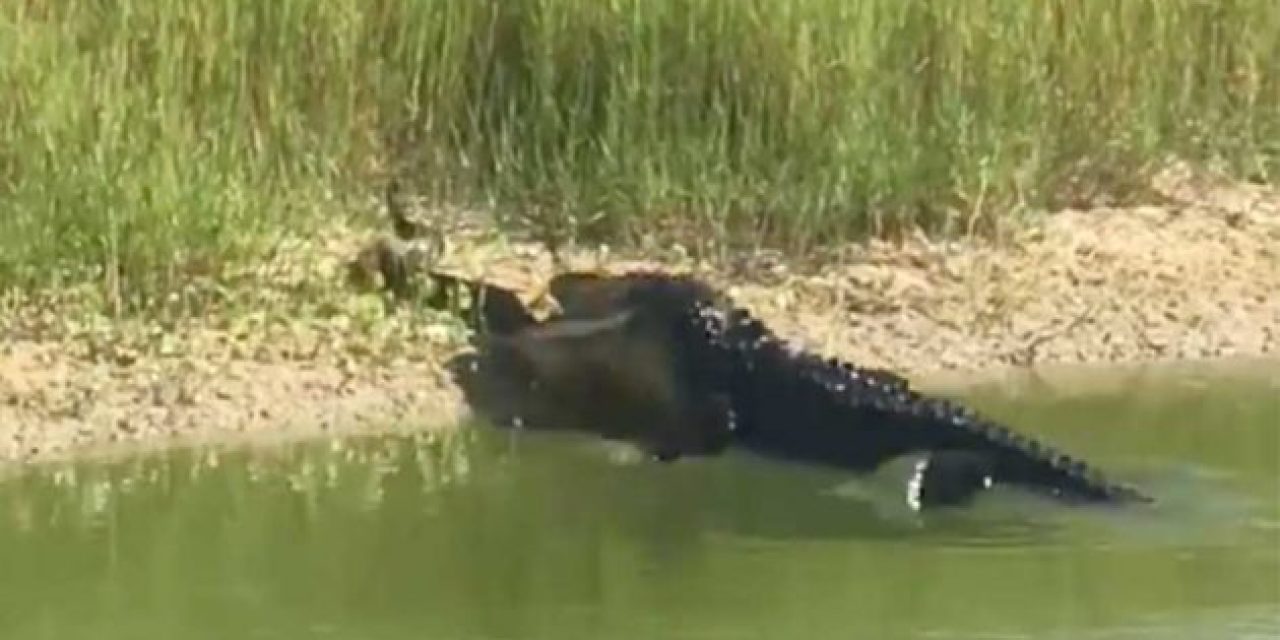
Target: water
point(486, 534)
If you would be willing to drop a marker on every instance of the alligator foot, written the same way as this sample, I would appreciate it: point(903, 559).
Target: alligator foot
point(949, 478)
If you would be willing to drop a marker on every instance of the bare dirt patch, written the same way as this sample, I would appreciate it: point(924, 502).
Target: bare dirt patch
point(300, 353)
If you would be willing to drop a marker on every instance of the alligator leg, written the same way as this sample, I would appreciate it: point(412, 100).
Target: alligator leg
point(949, 478)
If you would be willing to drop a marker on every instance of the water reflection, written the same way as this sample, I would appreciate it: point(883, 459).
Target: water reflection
point(355, 473)
point(736, 495)
point(480, 533)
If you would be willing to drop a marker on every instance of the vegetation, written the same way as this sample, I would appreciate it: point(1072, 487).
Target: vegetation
point(147, 143)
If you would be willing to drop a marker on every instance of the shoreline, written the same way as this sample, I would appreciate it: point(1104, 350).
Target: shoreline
point(1056, 378)
point(1193, 278)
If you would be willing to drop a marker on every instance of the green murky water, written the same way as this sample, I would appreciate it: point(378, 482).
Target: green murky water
point(487, 534)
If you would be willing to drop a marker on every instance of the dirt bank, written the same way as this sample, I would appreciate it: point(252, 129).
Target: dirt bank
point(298, 353)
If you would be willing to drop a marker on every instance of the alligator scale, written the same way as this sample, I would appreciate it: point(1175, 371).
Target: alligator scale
point(669, 363)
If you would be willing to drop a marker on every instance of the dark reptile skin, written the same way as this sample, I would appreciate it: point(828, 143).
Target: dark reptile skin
point(786, 403)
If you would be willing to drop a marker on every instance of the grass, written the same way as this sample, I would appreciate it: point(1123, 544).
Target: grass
point(146, 147)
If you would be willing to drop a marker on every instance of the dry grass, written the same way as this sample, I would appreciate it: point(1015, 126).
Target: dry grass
point(149, 151)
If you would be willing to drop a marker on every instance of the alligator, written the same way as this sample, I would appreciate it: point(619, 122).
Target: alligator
point(668, 361)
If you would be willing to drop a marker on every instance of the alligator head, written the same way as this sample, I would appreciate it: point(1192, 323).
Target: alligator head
point(622, 370)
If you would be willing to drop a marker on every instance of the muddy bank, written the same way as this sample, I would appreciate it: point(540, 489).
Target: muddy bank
point(300, 353)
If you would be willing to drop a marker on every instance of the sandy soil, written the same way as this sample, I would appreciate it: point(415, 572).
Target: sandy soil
point(300, 353)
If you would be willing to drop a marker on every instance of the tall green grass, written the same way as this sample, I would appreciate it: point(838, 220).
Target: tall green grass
point(142, 142)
